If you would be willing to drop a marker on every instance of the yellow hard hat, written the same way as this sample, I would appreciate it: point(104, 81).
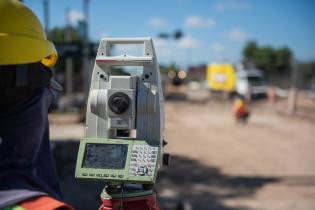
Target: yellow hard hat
point(238, 103)
point(22, 38)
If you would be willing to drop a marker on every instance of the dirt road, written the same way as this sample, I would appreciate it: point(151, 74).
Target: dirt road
point(267, 164)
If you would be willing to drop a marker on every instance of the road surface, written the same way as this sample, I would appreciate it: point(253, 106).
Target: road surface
point(217, 165)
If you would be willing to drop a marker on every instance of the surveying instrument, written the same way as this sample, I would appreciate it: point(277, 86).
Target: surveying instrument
point(124, 127)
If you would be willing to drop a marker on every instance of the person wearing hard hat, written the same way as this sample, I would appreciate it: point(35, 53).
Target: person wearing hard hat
point(28, 178)
point(241, 111)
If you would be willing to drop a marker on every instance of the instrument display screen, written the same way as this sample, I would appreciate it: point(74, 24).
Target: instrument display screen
point(105, 156)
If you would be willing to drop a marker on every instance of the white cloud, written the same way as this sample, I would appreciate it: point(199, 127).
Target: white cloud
point(237, 35)
point(236, 5)
point(188, 42)
point(157, 22)
point(218, 48)
point(74, 16)
point(198, 22)
point(169, 50)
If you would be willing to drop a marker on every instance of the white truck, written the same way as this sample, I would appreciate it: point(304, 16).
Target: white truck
point(250, 83)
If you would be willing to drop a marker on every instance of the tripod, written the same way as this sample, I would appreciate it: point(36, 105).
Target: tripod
point(129, 197)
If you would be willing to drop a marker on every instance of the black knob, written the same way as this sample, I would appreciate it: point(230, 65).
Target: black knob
point(164, 143)
point(166, 159)
point(118, 102)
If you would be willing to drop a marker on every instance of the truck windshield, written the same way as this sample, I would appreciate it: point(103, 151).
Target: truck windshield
point(255, 80)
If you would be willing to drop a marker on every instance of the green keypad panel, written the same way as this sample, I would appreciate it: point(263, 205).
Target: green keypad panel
point(143, 160)
point(132, 161)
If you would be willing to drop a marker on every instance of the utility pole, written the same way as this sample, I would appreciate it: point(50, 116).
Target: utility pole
point(293, 92)
point(85, 49)
point(46, 15)
point(69, 61)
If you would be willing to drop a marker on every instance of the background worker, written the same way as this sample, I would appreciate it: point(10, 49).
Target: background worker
point(28, 178)
point(241, 112)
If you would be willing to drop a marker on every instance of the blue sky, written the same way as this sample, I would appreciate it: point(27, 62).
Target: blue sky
point(214, 31)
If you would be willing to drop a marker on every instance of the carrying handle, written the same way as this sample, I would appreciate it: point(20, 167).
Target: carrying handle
point(124, 60)
point(127, 40)
point(103, 57)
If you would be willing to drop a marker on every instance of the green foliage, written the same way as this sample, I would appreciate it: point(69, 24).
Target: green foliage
point(249, 50)
point(283, 58)
point(277, 63)
point(57, 34)
point(165, 69)
point(271, 60)
point(265, 58)
point(307, 70)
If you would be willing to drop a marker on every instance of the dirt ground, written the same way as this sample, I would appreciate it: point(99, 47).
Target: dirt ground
point(216, 165)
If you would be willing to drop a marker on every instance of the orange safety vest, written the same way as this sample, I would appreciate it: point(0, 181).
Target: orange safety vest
point(44, 203)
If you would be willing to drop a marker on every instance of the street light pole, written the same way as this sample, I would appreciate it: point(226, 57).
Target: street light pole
point(69, 61)
point(85, 42)
point(46, 15)
point(293, 92)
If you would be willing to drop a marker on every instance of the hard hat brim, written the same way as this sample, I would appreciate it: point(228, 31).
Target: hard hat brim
point(16, 49)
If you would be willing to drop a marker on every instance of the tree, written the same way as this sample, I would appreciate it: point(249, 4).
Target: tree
point(307, 73)
point(170, 67)
point(265, 58)
point(57, 34)
point(283, 59)
point(249, 51)
point(275, 62)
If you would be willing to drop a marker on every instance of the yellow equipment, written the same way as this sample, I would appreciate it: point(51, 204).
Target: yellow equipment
point(22, 38)
point(221, 77)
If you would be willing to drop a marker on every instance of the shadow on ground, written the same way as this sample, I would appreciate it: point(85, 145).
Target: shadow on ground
point(199, 186)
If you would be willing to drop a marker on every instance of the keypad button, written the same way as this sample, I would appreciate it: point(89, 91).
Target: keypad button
point(142, 170)
point(113, 175)
point(121, 176)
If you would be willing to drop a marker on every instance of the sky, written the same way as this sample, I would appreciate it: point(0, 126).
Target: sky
point(214, 30)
